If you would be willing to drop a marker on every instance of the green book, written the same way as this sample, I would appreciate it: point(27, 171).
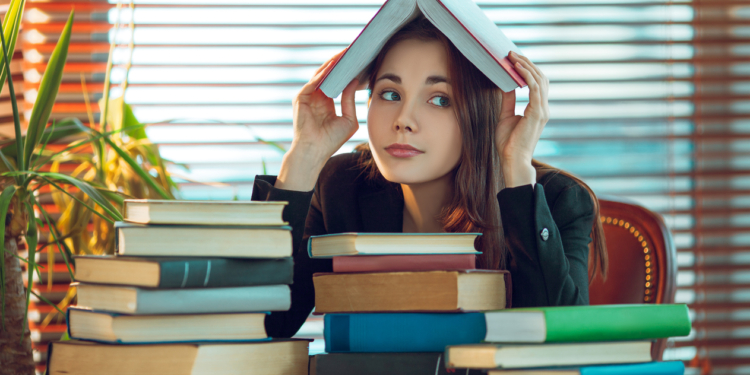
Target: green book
point(587, 323)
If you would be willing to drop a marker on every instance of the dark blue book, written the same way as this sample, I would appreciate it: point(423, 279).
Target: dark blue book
point(404, 332)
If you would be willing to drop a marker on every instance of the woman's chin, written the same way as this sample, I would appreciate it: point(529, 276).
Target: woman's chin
point(408, 176)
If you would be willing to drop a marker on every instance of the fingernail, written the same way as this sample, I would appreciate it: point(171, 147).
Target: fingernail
point(518, 65)
point(513, 53)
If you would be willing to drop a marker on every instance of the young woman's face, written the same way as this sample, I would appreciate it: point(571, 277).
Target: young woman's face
point(414, 133)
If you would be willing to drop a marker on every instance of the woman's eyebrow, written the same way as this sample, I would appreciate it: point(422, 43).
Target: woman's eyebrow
point(431, 80)
point(390, 76)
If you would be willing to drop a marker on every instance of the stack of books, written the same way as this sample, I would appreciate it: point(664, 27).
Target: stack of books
point(433, 314)
point(395, 301)
point(604, 339)
point(187, 293)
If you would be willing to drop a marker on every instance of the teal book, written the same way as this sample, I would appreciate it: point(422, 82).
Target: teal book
point(648, 368)
point(344, 244)
point(183, 272)
point(116, 328)
point(143, 301)
point(203, 241)
point(587, 323)
point(401, 332)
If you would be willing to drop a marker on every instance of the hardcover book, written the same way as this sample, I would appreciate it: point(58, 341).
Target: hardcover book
point(139, 329)
point(140, 301)
point(400, 263)
point(176, 272)
point(382, 363)
point(490, 356)
point(207, 241)
point(650, 368)
point(475, 36)
point(473, 290)
point(394, 332)
point(588, 323)
point(154, 211)
point(340, 244)
point(289, 357)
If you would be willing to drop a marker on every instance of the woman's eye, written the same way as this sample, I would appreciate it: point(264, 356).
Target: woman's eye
point(440, 101)
point(390, 95)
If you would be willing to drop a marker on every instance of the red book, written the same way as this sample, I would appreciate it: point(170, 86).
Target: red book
point(398, 263)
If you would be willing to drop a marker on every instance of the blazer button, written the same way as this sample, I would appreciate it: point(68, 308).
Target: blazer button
point(544, 234)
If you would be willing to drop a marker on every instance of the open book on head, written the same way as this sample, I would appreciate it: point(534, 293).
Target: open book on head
point(462, 22)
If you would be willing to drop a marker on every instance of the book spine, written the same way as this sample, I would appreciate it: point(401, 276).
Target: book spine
point(396, 263)
point(214, 300)
point(623, 322)
point(224, 272)
point(650, 368)
point(382, 363)
point(409, 332)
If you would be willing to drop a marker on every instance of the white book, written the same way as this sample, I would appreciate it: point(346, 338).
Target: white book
point(475, 36)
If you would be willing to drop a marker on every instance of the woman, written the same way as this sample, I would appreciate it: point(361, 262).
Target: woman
point(446, 154)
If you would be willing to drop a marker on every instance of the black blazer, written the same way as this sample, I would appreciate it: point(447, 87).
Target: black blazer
point(547, 228)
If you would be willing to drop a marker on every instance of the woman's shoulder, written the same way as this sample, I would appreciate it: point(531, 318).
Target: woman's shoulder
point(343, 173)
point(562, 190)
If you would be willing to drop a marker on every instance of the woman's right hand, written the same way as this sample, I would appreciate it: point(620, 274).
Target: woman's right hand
point(318, 131)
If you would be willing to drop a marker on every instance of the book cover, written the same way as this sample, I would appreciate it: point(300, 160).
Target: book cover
point(289, 357)
point(382, 363)
point(115, 328)
point(189, 212)
point(489, 356)
point(394, 332)
point(649, 368)
point(433, 291)
point(462, 22)
point(588, 323)
point(183, 272)
point(203, 240)
point(396, 263)
point(352, 243)
point(140, 301)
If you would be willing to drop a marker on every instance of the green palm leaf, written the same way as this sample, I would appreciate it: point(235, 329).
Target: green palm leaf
point(47, 92)
point(11, 24)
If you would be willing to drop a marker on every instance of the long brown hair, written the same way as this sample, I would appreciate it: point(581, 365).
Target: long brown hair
point(478, 176)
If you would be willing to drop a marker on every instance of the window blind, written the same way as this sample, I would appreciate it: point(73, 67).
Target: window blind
point(649, 100)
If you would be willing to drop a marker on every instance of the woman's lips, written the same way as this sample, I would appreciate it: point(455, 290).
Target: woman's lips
point(402, 151)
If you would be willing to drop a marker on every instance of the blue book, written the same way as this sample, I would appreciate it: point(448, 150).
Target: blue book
point(405, 332)
point(649, 368)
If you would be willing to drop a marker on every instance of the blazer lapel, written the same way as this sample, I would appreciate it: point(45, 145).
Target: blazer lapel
point(381, 207)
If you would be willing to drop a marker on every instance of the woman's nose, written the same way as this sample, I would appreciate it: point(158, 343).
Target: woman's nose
point(406, 121)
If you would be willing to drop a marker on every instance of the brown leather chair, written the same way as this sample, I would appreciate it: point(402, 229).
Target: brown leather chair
point(642, 265)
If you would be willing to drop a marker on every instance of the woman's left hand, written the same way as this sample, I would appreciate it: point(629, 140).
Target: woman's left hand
point(517, 136)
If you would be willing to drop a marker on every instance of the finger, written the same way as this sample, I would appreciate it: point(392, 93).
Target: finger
point(508, 104)
point(527, 62)
point(534, 95)
point(348, 106)
point(529, 66)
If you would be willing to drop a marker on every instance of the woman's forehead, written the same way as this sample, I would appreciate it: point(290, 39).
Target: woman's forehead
point(415, 59)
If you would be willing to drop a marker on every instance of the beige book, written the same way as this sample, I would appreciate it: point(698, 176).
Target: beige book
point(287, 357)
point(154, 211)
point(471, 290)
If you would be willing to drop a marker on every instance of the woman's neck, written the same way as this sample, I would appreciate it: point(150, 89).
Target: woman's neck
point(423, 204)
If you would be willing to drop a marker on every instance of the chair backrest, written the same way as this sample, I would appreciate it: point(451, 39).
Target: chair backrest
point(642, 265)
